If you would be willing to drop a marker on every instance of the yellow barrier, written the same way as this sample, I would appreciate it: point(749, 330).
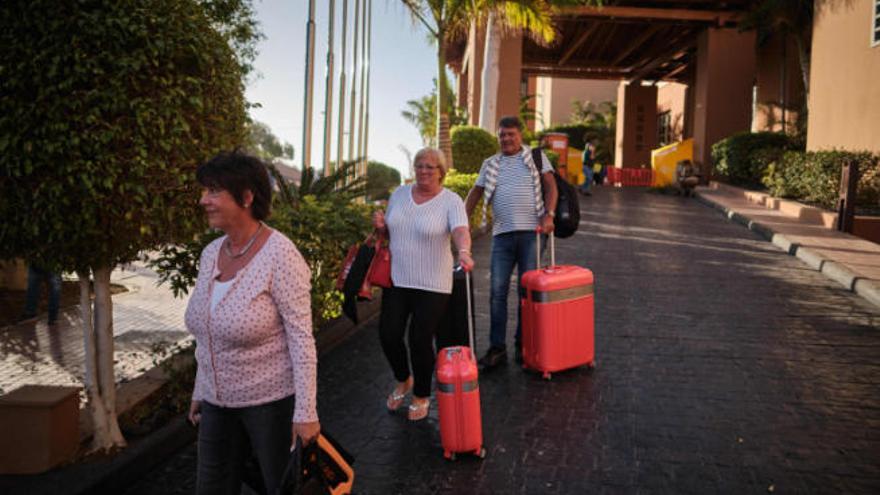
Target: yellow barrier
point(663, 160)
point(575, 166)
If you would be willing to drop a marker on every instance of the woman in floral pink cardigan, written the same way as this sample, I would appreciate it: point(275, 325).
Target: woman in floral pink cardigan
point(250, 314)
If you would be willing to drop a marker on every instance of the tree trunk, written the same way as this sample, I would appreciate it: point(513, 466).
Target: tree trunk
point(99, 379)
point(443, 140)
point(490, 75)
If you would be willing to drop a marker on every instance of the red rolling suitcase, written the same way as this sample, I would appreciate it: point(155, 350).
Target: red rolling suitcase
point(557, 316)
point(458, 396)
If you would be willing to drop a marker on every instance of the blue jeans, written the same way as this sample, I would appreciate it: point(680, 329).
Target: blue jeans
point(508, 249)
point(35, 281)
point(588, 177)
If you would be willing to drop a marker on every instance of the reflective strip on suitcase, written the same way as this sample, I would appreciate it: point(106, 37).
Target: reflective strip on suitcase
point(550, 296)
point(449, 388)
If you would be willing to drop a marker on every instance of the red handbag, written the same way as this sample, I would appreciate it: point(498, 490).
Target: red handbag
point(379, 273)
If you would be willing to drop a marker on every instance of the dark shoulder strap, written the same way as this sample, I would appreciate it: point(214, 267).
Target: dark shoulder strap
point(539, 164)
point(536, 157)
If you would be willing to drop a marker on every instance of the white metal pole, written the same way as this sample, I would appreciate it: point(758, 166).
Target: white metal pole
point(309, 89)
point(360, 146)
point(341, 129)
point(367, 92)
point(354, 55)
point(328, 94)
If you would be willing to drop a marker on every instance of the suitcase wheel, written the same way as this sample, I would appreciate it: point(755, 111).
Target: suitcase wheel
point(450, 456)
point(546, 375)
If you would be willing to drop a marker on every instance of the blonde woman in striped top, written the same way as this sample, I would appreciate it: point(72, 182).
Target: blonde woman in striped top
point(420, 221)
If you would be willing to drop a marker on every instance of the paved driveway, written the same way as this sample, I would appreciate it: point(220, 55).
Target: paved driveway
point(723, 366)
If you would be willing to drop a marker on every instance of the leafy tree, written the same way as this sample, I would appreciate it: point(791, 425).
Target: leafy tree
point(448, 20)
point(236, 21)
point(265, 144)
point(106, 109)
point(381, 180)
point(601, 126)
point(422, 113)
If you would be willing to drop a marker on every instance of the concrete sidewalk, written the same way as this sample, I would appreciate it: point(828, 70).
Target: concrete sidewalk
point(146, 315)
point(804, 232)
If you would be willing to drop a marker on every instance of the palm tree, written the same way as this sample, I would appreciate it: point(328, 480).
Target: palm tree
point(448, 20)
point(422, 113)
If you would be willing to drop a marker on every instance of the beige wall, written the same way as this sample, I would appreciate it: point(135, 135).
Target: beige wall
point(636, 125)
point(672, 98)
point(723, 85)
point(555, 97)
point(844, 79)
point(779, 85)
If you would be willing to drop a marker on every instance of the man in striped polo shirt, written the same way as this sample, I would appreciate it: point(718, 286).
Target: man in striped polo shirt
point(511, 183)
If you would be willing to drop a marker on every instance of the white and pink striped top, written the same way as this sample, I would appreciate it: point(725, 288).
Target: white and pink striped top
point(256, 346)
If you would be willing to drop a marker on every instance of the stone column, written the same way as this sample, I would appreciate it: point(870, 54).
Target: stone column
point(636, 125)
point(724, 80)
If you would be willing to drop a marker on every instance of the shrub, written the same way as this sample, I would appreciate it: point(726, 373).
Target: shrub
point(814, 177)
point(461, 184)
point(743, 158)
point(322, 227)
point(553, 157)
point(381, 180)
point(470, 146)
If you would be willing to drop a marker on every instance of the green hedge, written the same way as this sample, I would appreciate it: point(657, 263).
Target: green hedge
point(461, 184)
point(470, 146)
point(814, 177)
point(575, 132)
point(743, 158)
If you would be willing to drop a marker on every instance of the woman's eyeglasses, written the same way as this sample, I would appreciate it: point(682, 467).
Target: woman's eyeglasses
point(424, 166)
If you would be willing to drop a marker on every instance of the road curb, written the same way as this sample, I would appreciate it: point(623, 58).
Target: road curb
point(866, 288)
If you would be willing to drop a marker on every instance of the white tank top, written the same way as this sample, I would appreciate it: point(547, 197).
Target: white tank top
point(220, 290)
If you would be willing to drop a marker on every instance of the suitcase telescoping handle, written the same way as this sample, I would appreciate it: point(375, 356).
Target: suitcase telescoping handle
point(538, 249)
point(470, 314)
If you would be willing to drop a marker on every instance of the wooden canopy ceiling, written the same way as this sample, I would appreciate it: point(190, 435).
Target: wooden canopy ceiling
point(627, 39)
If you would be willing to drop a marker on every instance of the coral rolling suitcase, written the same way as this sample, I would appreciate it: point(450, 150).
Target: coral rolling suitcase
point(557, 316)
point(458, 396)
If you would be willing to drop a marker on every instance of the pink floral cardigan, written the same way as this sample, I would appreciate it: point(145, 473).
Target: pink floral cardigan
point(257, 345)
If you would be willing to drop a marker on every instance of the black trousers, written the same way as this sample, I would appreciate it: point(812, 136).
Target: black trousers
point(426, 309)
point(226, 437)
